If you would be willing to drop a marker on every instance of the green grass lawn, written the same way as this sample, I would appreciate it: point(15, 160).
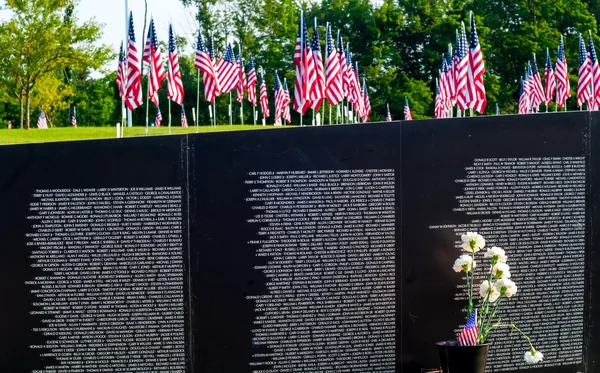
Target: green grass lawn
point(19, 136)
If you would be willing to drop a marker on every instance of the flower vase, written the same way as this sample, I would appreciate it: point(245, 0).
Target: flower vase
point(462, 359)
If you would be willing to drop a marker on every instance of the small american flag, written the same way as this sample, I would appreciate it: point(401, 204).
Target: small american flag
point(175, 86)
point(286, 102)
point(318, 88)
point(184, 123)
point(333, 87)
point(524, 97)
point(585, 76)
point(133, 83)
point(475, 86)
point(357, 92)
point(407, 112)
point(451, 75)
point(309, 77)
point(252, 82)
point(241, 85)
point(158, 117)
point(438, 109)
point(227, 71)
point(366, 112)
point(301, 104)
point(461, 68)
point(549, 78)
point(74, 118)
point(157, 72)
point(120, 81)
point(279, 98)
point(349, 76)
point(468, 336)
point(388, 115)
point(42, 122)
point(264, 98)
point(563, 85)
point(538, 89)
point(343, 66)
point(204, 63)
point(595, 72)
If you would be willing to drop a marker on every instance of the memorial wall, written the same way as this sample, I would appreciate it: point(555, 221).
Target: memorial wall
point(297, 250)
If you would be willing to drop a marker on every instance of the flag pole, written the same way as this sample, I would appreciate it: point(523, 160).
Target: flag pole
point(147, 98)
point(169, 117)
point(254, 114)
point(198, 100)
point(239, 77)
point(214, 103)
point(230, 118)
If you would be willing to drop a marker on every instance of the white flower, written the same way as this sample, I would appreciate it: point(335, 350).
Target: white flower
point(533, 356)
point(509, 287)
point(472, 242)
point(501, 270)
point(484, 288)
point(464, 263)
point(496, 252)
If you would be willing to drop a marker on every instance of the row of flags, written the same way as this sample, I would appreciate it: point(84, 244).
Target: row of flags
point(42, 121)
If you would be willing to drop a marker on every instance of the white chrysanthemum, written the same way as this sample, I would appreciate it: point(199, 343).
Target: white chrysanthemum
point(477, 241)
point(501, 270)
point(533, 357)
point(496, 252)
point(510, 288)
point(464, 261)
point(485, 287)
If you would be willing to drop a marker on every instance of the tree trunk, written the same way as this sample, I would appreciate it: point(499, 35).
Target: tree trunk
point(28, 96)
point(21, 104)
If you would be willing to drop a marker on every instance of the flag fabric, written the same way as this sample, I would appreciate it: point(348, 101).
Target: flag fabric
point(349, 75)
point(156, 73)
point(184, 122)
point(528, 87)
point(450, 79)
point(357, 95)
point(366, 106)
point(318, 88)
point(74, 117)
point(301, 104)
point(524, 97)
point(147, 45)
point(286, 102)
point(563, 86)
point(538, 89)
point(159, 118)
point(279, 98)
point(343, 66)
point(241, 84)
point(475, 87)
point(227, 71)
point(585, 76)
point(468, 336)
point(595, 73)
point(121, 73)
point(175, 91)
point(445, 84)
point(461, 69)
point(334, 92)
point(251, 82)
point(42, 122)
point(549, 78)
point(310, 71)
point(204, 63)
point(264, 98)
point(407, 112)
point(133, 85)
point(438, 108)
point(388, 115)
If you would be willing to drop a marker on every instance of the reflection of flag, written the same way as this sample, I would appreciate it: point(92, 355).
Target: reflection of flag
point(388, 115)
point(183, 118)
point(74, 118)
point(42, 123)
point(158, 117)
point(468, 336)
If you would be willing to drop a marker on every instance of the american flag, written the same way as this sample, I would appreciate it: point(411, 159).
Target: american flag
point(175, 86)
point(133, 90)
point(157, 71)
point(264, 98)
point(357, 95)
point(595, 72)
point(528, 87)
point(524, 97)
point(74, 117)
point(563, 86)
point(445, 84)
point(309, 78)
point(286, 102)
point(388, 115)
point(549, 79)
point(343, 66)
point(42, 122)
point(279, 97)
point(146, 55)
point(366, 107)
point(451, 76)
point(538, 89)
point(349, 77)
point(241, 85)
point(439, 107)
point(227, 71)
point(252, 82)
point(301, 104)
point(461, 69)
point(585, 75)
point(183, 117)
point(318, 88)
point(407, 112)
point(475, 86)
point(334, 92)
point(468, 336)
point(204, 63)
point(159, 118)
point(121, 73)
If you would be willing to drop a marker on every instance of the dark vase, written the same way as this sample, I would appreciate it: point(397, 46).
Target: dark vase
point(462, 359)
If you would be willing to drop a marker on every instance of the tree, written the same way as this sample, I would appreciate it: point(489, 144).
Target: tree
point(41, 39)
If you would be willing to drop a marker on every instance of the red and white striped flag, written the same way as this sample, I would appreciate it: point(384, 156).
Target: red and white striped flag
point(595, 72)
point(121, 73)
point(227, 71)
point(468, 336)
point(252, 82)
point(585, 75)
point(42, 121)
point(301, 104)
point(439, 106)
point(264, 98)
point(175, 86)
point(133, 86)
point(549, 79)
point(309, 78)
point(476, 96)
point(451, 76)
point(366, 106)
point(407, 112)
point(317, 89)
point(241, 85)
point(349, 75)
point(357, 96)
point(279, 99)
point(158, 119)
point(563, 85)
point(538, 89)
point(334, 91)
point(156, 73)
point(74, 118)
point(204, 63)
point(524, 97)
point(461, 70)
point(343, 66)
point(286, 102)
point(184, 122)
point(388, 115)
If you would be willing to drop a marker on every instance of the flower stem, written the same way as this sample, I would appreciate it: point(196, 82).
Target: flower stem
point(513, 326)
